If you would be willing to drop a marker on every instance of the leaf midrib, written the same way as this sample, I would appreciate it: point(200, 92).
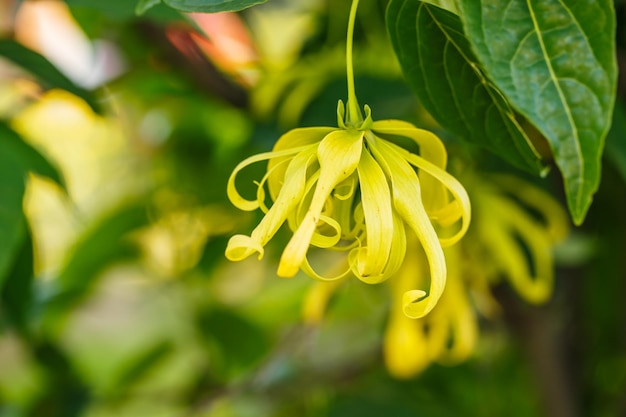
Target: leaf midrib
point(555, 80)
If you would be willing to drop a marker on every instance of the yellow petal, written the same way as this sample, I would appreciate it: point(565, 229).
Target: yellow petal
point(231, 190)
point(454, 316)
point(337, 273)
point(290, 194)
point(293, 139)
point(241, 246)
point(407, 201)
point(431, 148)
point(338, 155)
point(460, 203)
point(405, 348)
point(501, 234)
point(553, 215)
point(371, 260)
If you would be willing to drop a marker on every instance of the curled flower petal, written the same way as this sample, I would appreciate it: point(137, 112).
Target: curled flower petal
point(452, 324)
point(338, 155)
point(289, 196)
point(431, 148)
point(406, 196)
point(371, 260)
point(405, 349)
point(461, 201)
point(295, 138)
point(242, 246)
point(231, 190)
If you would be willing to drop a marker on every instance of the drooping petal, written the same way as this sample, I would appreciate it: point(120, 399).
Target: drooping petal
point(458, 208)
point(431, 148)
point(405, 189)
point(293, 139)
point(338, 155)
point(372, 259)
point(240, 246)
point(452, 324)
point(231, 189)
point(405, 348)
point(348, 212)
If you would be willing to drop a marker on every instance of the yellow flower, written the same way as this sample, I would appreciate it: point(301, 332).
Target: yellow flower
point(354, 189)
point(447, 335)
point(515, 230)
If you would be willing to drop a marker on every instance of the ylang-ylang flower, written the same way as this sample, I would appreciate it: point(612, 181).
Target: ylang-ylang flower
point(359, 188)
point(355, 189)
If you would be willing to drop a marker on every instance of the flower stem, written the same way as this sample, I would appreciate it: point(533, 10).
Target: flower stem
point(353, 116)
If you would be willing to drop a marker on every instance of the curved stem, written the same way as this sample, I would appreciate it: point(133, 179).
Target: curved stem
point(353, 116)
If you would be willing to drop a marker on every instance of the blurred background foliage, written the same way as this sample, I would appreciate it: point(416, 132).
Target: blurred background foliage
point(118, 132)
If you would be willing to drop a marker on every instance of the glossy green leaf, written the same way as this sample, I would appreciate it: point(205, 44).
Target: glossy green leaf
point(43, 70)
point(17, 159)
point(439, 65)
point(212, 6)
point(554, 60)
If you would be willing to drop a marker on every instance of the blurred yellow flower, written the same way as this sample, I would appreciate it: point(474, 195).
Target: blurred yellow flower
point(447, 335)
point(515, 228)
point(353, 189)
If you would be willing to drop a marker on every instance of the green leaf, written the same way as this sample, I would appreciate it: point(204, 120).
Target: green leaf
point(17, 159)
point(145, 5)
point(438, 63)
point(212, 6)
point(554, 60)
point(448, 5)
point(41, 68)
point(17, 291)
point(26, 158)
